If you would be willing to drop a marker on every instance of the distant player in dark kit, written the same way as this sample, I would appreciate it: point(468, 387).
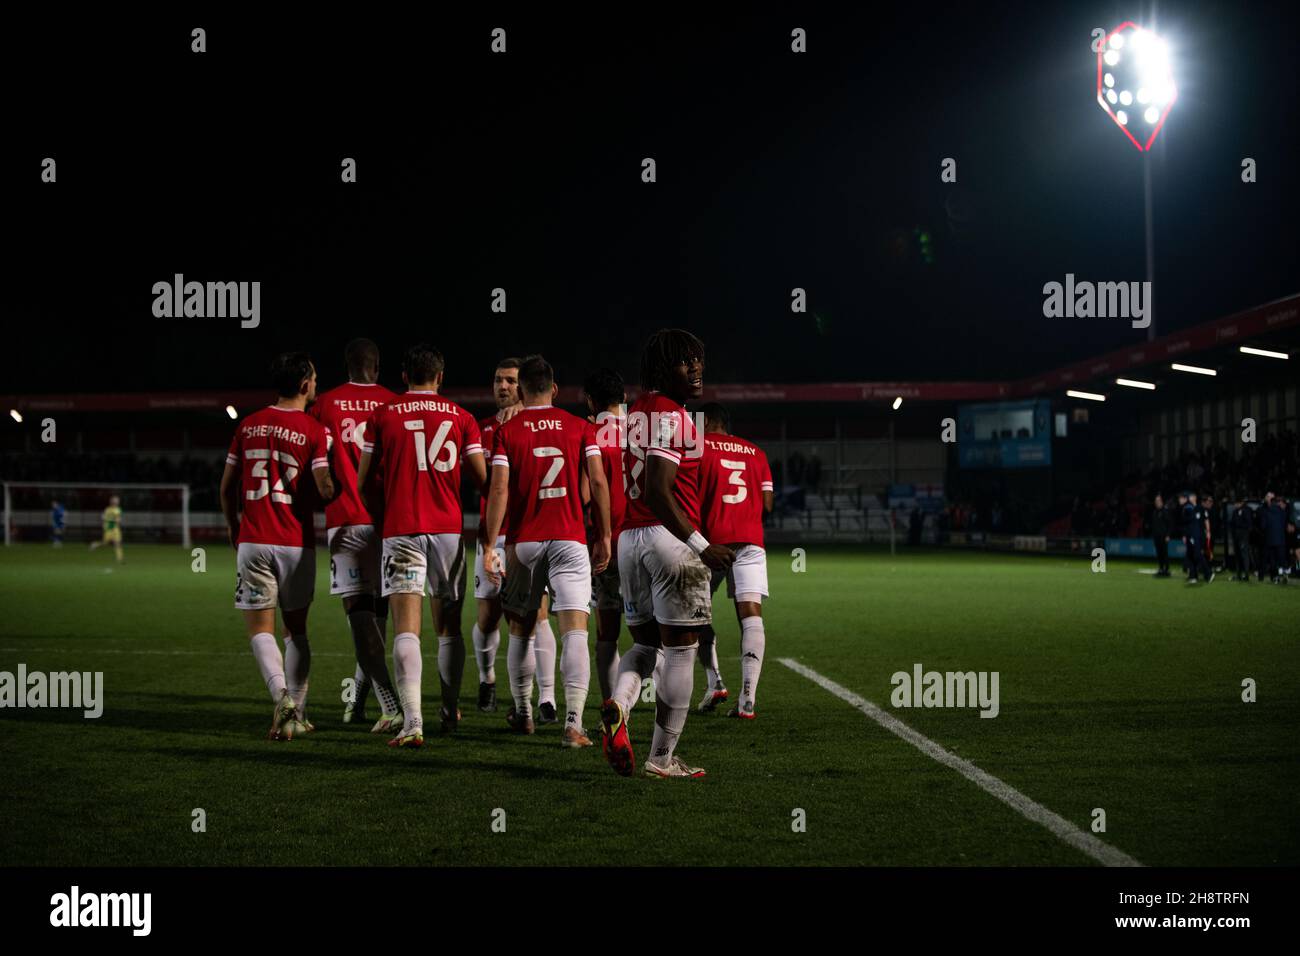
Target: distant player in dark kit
point(1273, 522)
point(1179, 519)
point(1196, 530)
point(1243, 518)
point(57, 518)
point(1160, 536)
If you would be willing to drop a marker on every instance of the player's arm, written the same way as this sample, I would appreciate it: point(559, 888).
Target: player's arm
point(595, 477)
point(584, 487)
point(320, 467)
point(477, 466)
point(497, 497)
point(660, 474)
point(230, 501)
point(769, 501)
point(363, 475)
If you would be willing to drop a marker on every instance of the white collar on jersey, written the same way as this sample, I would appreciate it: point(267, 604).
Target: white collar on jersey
point(363, 384)
point(423, 391)
point(535, 408)
point(279, 409)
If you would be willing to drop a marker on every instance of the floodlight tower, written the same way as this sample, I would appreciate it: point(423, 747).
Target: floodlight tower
point(1135, 86)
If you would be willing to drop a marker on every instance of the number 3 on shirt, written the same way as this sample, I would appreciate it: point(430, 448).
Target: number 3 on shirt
point(737, 469)
point(437, 445)
point(259, 458)
point(549, 490)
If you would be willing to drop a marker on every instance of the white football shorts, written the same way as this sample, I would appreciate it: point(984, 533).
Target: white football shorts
point(534, 567)
point(747, 575)
point(420, 563)
point(354, 559)
point(267, 575)
point(662, 579)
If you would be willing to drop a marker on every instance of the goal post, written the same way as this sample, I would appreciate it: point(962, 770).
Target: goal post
point(150, 512)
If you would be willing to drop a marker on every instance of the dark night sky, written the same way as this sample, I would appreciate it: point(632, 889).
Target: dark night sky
point(522, 171)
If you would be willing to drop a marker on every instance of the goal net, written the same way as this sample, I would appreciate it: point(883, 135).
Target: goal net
point(150, 513)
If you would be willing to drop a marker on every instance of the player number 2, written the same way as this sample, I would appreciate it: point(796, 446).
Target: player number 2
point(549, 489)
point(737, 469)
point(260, 458)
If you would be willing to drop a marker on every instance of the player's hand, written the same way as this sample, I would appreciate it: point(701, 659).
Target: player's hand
point(600, 555)
point(493, 565)
point(510, 411)
point(718, 557)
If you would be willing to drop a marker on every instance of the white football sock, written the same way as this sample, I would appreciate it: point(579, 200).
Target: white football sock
point(520, 665)
point(673, 701)
point(269, 661)
point(607, 667)
point(485, 654)
point(575, 671)
point(297, 668)
point(637, 664)
point(544, 651)
point(709, 657)
point(373, 665)
point(408, 666)
point(753, 641)
point(451, 668)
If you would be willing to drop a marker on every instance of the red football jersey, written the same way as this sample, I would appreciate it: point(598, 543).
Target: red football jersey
point(344, 411)
point(656, 425)
point(734, 474)
point(275, 450)
point(611, 434)
point(419, 440)
point(487, 429)
point(546, 450)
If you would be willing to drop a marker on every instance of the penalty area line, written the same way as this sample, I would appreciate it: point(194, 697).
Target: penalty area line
point(1060, 827)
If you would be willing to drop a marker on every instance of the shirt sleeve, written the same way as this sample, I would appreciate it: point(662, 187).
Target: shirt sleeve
point(666, 439)
point(370, 437)
point(590, 447)
point(500, 456)
point(320, 452)
point(764, 473)
point(232, 456)
point(471, 437)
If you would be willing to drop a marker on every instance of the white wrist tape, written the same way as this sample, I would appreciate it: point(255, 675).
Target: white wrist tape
point(697, 542)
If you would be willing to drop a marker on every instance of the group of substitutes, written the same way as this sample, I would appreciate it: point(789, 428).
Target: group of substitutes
point(636, 512)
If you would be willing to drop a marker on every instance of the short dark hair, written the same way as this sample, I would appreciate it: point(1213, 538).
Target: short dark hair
point(510, 362)
point(605, 388)
point(361, 357)
point(288, 372)
point(422, 363)
point(715, 412)
point(536, 375)
point(665, 349)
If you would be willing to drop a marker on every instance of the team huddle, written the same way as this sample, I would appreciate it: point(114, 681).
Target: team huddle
point(636, 513)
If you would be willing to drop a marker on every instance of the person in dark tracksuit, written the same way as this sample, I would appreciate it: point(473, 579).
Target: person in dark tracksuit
point(1273, 521)
point(1243, 519)
point(1160, 536)
point(1214, 515)
point(1196, 530)
point(1179, 518)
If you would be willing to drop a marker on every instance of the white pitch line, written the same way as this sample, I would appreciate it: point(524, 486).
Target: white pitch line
point(1060, 827)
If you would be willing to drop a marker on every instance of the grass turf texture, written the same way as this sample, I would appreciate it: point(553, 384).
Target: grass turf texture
point(1118, 691)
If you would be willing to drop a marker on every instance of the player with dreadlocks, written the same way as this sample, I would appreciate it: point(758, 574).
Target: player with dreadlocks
point(664, 561)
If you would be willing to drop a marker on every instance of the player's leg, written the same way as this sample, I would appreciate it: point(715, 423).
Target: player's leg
point(747, 586)
point(715, 690)
point(256, 593)
point(487, 630)
point(639, 661)
point(521, 601)
point(447, 558)
point(118, 553)
point(405, 569)
point(682, 606)
point(544, 650)
point(608, 603)
point(568, 576)
point(296, 568)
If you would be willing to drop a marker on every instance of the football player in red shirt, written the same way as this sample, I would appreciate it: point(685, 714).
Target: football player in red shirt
point(606, 397)
point(736, 491)
point(418, 442)
point(269, 518)
point(664, 561)
point(353, 539)
point(487, 593)
point(538, 458)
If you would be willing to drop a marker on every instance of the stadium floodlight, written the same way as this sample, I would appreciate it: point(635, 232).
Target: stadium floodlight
point(16, 415)
point(1192, 368)
point(1090, 396)
point(1264, 352)
point(898, 403)
point(230, 410)
point(1136, 62)
point(1134, 383)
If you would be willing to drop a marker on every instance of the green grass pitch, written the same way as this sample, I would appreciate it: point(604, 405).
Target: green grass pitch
point(1118, 691)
